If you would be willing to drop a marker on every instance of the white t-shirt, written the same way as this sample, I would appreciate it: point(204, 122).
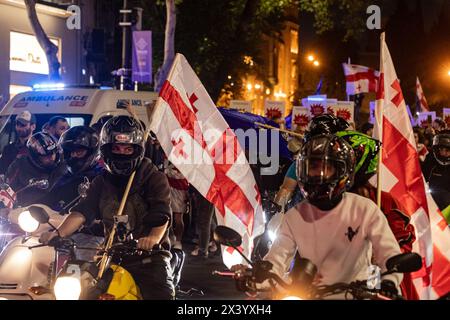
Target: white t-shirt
point(342, 242)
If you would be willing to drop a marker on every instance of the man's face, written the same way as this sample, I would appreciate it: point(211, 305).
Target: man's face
point(370, 132)
point(123, 149)
point(320, 168)
point(78, 153)
point(444, 152)
point(60, 127)
point(416, 138)
point(24, 130)
point(48, 161)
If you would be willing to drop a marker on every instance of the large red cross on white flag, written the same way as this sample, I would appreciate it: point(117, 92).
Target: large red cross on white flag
point(199, 142)
point(401, 175)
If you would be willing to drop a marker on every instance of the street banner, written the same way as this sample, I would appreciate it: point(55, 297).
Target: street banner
point(274, 109)
point(142, 56)
point(344, 109)
point(300, 118)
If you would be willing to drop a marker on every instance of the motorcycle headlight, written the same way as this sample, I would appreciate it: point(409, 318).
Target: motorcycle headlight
point(27, 222)
point(292, 298)
point(67, 288)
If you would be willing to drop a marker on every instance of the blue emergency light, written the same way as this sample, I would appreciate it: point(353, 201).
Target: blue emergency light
point(48, 86)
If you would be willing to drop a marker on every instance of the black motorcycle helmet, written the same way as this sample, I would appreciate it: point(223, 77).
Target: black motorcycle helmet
point(325, 124)
point(325, 170)
point(122, 130)
point(441, 140)
point(42, 144)
point(80, 137)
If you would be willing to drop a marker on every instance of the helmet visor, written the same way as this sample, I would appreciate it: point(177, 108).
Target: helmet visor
point(319, 170)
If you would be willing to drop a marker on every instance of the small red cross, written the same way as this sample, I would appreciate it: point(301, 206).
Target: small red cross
point(179, 148)
point(192, 99)
point(399, 96)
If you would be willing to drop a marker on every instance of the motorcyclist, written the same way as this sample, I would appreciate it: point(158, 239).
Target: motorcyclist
point(338, 231)
point(25, 126)
point(81, 146)
point(43, 162)
point(322, 124)
point(148, 205)
point(436, 170)
point(367, 151)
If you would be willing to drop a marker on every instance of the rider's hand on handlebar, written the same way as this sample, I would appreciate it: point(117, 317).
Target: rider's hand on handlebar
point(388, 289)
point(147, 243)
point(239, 269)
point(47, 236)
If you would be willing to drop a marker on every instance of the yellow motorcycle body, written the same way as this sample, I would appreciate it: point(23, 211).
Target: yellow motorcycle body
point(123, 286)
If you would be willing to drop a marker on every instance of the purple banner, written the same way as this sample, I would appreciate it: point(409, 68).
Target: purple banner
point(142, 56)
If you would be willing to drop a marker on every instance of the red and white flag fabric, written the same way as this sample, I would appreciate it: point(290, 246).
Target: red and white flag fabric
point(421, 97)
point(198, 141)
point(7, 196)
point(360, 79)
point(401, 175)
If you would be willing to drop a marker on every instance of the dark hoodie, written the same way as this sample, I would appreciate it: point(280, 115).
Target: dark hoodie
point(148, 203)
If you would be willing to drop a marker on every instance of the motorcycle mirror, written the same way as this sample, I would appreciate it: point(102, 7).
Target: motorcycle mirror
point(404, 263)
point(39, 214)
point(227, 237)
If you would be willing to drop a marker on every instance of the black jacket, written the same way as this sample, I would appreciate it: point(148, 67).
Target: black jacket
point(10, 153)
point(148, 203)
point(19, 174)
point(438, 178)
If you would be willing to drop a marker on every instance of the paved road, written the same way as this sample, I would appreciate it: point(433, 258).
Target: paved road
point(197, 273)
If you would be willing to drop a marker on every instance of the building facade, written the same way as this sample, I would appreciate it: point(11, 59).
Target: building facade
point(22, 60)
point(280, 63)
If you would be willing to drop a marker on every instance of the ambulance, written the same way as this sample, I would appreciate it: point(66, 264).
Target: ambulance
point(79, 105)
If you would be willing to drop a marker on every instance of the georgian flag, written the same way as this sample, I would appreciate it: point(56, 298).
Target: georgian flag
point(422, 104)
point(199, 142)
point(360, 79)
point(401, 176)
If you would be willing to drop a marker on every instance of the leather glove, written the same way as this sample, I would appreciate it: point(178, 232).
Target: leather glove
point(388, 288)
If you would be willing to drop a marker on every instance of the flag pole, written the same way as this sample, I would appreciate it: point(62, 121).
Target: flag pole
point(349, 61)
point(150, 111)
point(292, 133)
point(379, 120)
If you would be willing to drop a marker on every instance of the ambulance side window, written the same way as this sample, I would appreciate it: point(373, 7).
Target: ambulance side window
point(75, 121)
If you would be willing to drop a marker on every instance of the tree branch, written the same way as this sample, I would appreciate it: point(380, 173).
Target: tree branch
point(50, 49)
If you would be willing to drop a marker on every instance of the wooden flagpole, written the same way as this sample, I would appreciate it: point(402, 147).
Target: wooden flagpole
point(292, 133)
point(379, 112)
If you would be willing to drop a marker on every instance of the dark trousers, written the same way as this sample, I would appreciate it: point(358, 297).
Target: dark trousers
point(154, 279)
point(205, 214)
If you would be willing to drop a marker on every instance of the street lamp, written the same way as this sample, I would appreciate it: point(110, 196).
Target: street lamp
point(316, 63)
point(448, 73)
point(311, 58)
